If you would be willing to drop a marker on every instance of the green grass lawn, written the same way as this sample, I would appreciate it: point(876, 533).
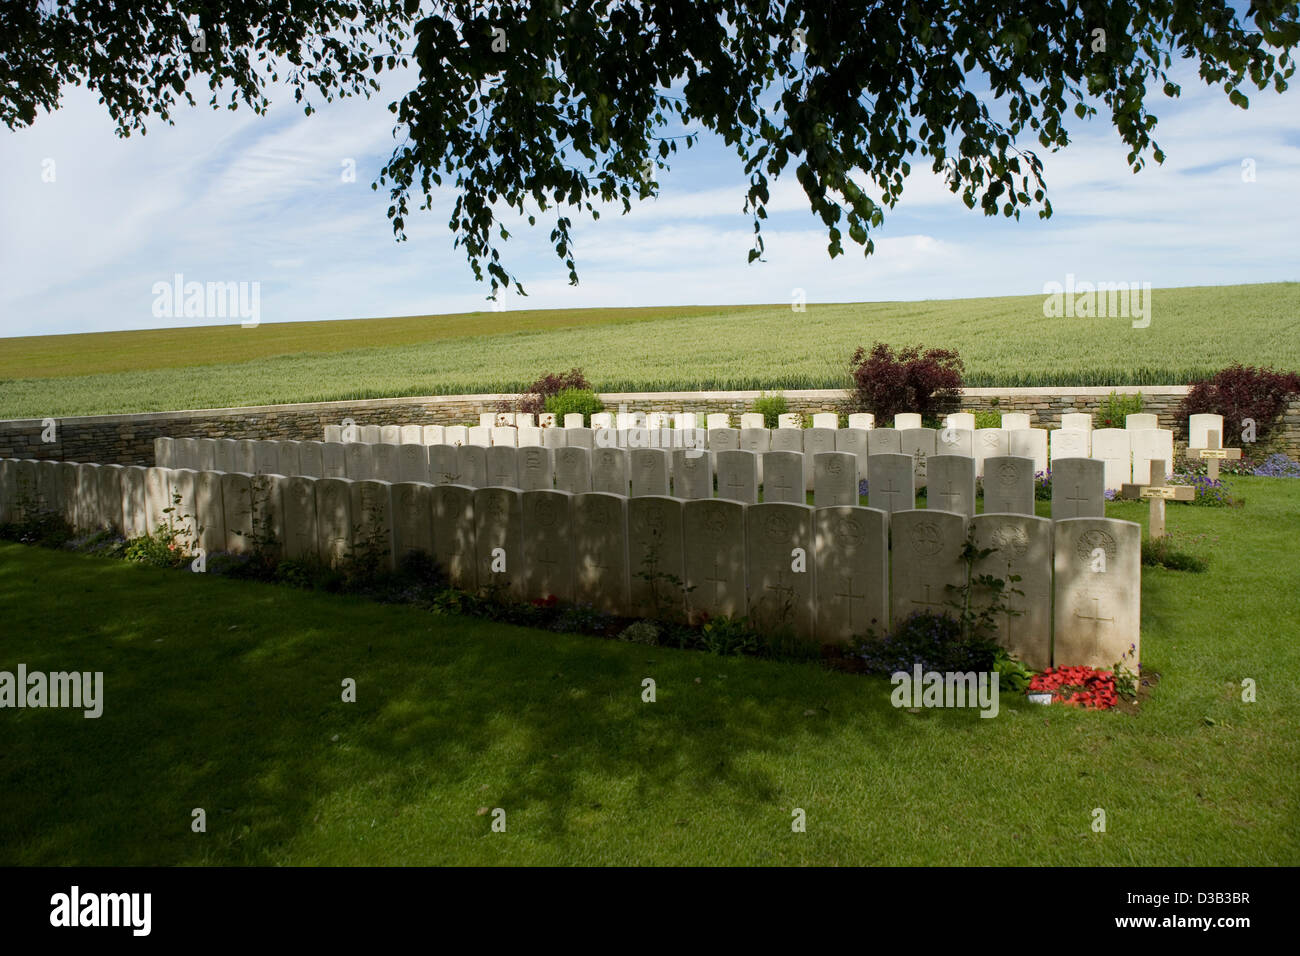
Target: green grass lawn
point(1003, 341)
point(226, 695)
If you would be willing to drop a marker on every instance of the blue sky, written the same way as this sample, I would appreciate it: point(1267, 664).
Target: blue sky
point(233, 197)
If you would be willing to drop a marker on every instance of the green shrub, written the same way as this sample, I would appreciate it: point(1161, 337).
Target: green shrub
point(1113, 409)
point(771, 407)
point(640, 632)
point(574, 401)
point(729, 635)
point(988, 419)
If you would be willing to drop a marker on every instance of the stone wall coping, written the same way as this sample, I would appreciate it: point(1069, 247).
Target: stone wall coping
point(824, 394)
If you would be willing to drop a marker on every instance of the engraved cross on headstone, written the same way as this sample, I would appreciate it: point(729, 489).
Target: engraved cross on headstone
point(1097, 620)
point(848, 596)
point(928, 600)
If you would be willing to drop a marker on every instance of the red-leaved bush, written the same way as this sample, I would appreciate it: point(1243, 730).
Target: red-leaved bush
point(533, 401)
point(886, 383)
point(1237, 393)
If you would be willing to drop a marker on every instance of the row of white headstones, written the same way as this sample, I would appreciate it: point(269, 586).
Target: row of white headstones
point(1126, 453)
point(783, 475)
point(827, 572)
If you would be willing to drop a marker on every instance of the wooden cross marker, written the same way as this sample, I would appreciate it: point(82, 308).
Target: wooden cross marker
point(1157, 492)
point(1213, 453)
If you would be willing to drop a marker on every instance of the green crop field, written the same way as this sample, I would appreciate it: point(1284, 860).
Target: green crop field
point(1003, 341)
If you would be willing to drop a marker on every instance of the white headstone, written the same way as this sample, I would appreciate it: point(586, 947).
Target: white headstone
point(506, 435)
point(553, 438)
point(714, 536)
point(852, 572)
point(311, 459)
point(334, 433)
point(835, 479)
point(784, 479)
point(780, 568)
point(904, 421)
point(1199, 427)
point(789, 420)
point(1078, 488)
point(952, 440)
point(891, 482)
point(579, 438)
point(600, 551)
point(1069, 443)
point(884, 441)
point(413, 462)
point(288, 457)
point(209, 509)
point(574, 420)
point(1080, 421)
point(387, 462)
point(535, 472)
point(738, 476)
point(1021, 545)
point(787, 439)
point(1141, 421)
point(547, 545)
point(333, 519)
point(454, 545)
point(503, 466)
point(573, 470)
point(1008, 485)
point(456, 435)
point(926, 559)
point(207, 454)
point(826, 420)
point(609, 471)
point(656, 560)
point(266, 457)
point(602, 420)
point(478, 435)
point(225, 454)
point(752, 420)
point(412, 520)
point(301, 530)
point(952, 484)
point(1098, 599)
point(650, 471)
point(471, 466)
point(360, 460)
point(1015, 421)
point(433, 434)
point(489, 419)
point(410, 435)
point(370, 434)
point(334, 460)
point(1151, 444)
point(854, 441)
point(718, 420)
point(920, 444)
point(1029, 443)
point(498, 538)
point(862, 420)
point(372, 522)
point(988, 443)
point(692, 474)
point(131, 482)
point(964, 421)
point(1114, 447)
point(529, 436)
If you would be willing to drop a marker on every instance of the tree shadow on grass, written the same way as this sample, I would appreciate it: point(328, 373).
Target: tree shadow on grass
point(226, 695)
